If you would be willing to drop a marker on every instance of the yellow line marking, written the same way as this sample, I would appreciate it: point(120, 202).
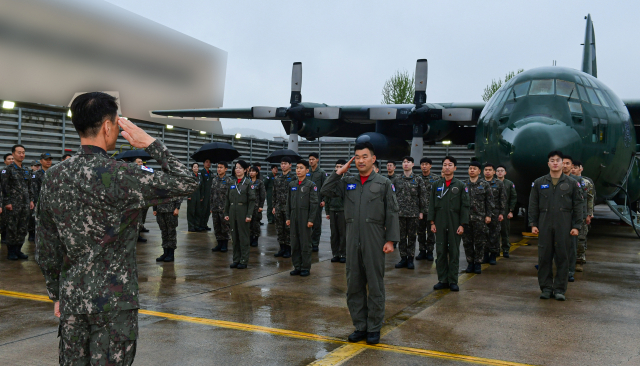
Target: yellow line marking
point(340, 356)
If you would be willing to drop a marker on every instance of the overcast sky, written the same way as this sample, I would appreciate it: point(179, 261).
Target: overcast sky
point(349, 48)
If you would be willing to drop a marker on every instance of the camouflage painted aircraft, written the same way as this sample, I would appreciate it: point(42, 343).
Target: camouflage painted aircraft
point(539, 110)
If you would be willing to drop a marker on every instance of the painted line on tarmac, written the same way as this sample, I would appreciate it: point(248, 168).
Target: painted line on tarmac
point(299, 335)
point(344, 353)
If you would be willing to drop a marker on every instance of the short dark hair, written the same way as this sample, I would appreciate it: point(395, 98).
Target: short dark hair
point(315, 155)
point(365, 145)
point(341, 161)
point(7, 155)
point(567, 157)
point(487, 165)
point(409, 158)
point(391, 162)
point(195, 164)
point(243, 164)
point(66, 156)
point(576, 162)
point(303, 162)
point(257, 164)
point(285, 159)
point(377, 164)
point(255, 169)
point(476, 164)
point(14, 147)
point(451, 159)
point(90, 110)
point(501, 166)
point(226, 165)
point(555, 153)
point(274, 166)
point(426, 160)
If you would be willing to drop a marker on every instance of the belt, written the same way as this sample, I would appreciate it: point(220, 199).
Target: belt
point(239, 204)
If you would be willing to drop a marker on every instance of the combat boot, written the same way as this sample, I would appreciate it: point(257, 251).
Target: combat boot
point(18, 253)
point(163, 256)
point(505, 254)
point(486, 258)
point(141, 239)
point(571, 279)
point(287, 251)
point(373, 337)
point(492, 259)
point(470, 268)
point(422, 255)
point(315, 249)
point(11, 254)
point(358, 336)
point(280, 252)
point(579, 267)
point(223, 248)
point(254, 241)
point(217, 247)
point(478, 268)
point(402, 263)
point(430, 255)
point(32, 235)
point(169, 257)
point(410, 263)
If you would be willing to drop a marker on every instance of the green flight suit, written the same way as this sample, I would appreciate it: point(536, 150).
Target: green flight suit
point(554, 210)
point(573, 251)
point(302, 205)
point(505, 225)
point(204, 210)
point(318, 177)
point(268, 186)
point(193, 201)
point(371, 214)
point(582, 237)
point(448, 209)
point(238, 207)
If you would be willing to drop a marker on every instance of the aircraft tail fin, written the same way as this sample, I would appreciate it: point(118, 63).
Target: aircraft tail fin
point(589, 64)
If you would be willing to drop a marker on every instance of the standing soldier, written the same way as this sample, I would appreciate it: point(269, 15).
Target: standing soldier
point(335, 214)
point(448, 212)
point(238, 210)
point(481, 205)
point(17, 202)
point(512, 199)
point(256, 219)
point(371, 213)
point(412, 200)
point(8, 160)
point(492, 251)
point(280, 193)
point(391, 170)
point(567, 169)
point(318, 176)
point(302, 205)
point(269, 179)
point(193, 201)
point(144, 212)
point(555, 214)
point(590, 190)
point(167, 217)
point(36, 183)
point(426, 239)
point(207, 185)
point(88, 217)
point(35, 167)
point(218, 196)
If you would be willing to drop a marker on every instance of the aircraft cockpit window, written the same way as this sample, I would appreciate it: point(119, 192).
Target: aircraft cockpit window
point(583, 93)
point(594, 134)
point(566, 89)
point(508, 108)
point(541, 87)
point(508, 95)
point(575, 107)
point(603, 100)
point(593, 96)
point(520, 90)
point(586, 81)
point(489, 107)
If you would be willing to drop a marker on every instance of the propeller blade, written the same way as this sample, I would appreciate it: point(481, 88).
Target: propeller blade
point(421, 82)
point(296, 83)
point(457, 114)
point(378, 114)
point(264, 112)
point(326, 113)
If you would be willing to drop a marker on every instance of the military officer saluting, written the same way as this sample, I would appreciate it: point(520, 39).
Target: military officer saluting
point(492, 251)
point(426, 239)
point(448, 212)
point(17, 202)
point(335, 214)
point(371, 213)
point(512, 199)
point(238, 211)
point(280, 194)
point(555, 214)
point(476, 233)
point(302, 205)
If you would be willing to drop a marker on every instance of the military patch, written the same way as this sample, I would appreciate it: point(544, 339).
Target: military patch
point(454, 190)
point(308, 174)
point(480, 187)
point(232, 187)
point(253, 187)
point(294, 188)
point(4, 171)
point(565, 186)
point(533, 184)
point(578, 184)
point(439, 189)
point(326, 174)
point(351, 187)
point(544, 186)
point(393, 187)
point(315, 188)
point(33, 176)
point(466, 189)
point(150, 170)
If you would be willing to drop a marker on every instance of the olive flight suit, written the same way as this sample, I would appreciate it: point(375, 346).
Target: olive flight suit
point(318, 177)
point(207, 176)
point(554, 210)
point(192, 205)
point(573, 251)
point(268, 186)
point(371, 214)
point(505, 225)
point(302, 205)
point(582, 237)
point(448, 209)
point(257, 186)
point(240, 202)
point(427, 239)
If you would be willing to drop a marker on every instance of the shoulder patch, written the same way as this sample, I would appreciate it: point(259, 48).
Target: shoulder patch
point(393, 187)
point(533, 184)
point(150, 170)
point(4, 171)
point(294, 188)
point(315, 188)
point(253, 186)
point(351, 187)
point(466, 189)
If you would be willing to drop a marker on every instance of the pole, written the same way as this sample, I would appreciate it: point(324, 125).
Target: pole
point(188, 145)
point(64, 131)
point(19, 125)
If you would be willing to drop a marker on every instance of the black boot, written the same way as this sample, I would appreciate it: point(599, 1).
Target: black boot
point(163, 256)
point(287, 251)
point(492, 259)
point(18, 253)
point(11, 254)
point(505, 254)
point(280, 252)
point(486, 258)
point(422, 255)
point(315, 249)
point(478, 268)
point(470, 268)
point(402, 263)
point(430, 255)
point(217, 247)
point(141, 239)
point(224, 249)
point(32, 235)
point(410, 263)
point(254, 241)
point(169, 257)
point(144, 230)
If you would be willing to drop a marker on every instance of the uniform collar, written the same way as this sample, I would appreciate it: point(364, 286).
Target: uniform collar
point(92, 150)
point(409, 177)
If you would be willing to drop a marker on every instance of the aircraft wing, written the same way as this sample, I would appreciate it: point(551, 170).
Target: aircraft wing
point(400, 112)
point(241, 113)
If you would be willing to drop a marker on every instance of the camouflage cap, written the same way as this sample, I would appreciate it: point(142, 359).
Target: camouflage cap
point(35, 162)
point(45, 156)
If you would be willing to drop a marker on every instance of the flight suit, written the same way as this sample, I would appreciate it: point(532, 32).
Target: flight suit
point(584, 230)
point(268, 186)
point(505, 225)
point(239, 206)
point(218, 197)
point(280, 193)
point(412, 200)
point(573, 250)
point(334, 207)
point(427, 239)
point(392, 177)
point(476, 232)
point(318, 177)
point(16, 184)
point(554, 210)
point(193, 203)
point(207, 177)
point(256, 217)
point(500, 205)
point(371, 214)
point(168, 222)
point(448, 209)
point(302, 206)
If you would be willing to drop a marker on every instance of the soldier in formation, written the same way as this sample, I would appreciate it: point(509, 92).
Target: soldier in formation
point(567, 169)
point(269, 179)
point(317, 176)
point(238, 210)
point(412, 200)
point(17, 202)
point(218, 192)
point(37, 178)
point(167, 217)
point(280, 194)
point(492, 251)
point(8, 160)
point(481, 205)
point(206, 209)
point(261, 194)
point(193, 201)
point(334, 208)
point(144, 212)
point(426, 239)
point(391, 170)
point(590, 191)
point(301, 211)
point(512, 199)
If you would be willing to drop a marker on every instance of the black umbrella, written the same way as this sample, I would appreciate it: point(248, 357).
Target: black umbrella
point(216, 152)
point(133, 155)
point(277, 155)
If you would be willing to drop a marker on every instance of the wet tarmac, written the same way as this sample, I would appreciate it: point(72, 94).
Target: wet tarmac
point(198, 311)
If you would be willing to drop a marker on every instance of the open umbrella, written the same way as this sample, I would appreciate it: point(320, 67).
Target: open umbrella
point(277, 155)
point(133, 155)
point(216, 152)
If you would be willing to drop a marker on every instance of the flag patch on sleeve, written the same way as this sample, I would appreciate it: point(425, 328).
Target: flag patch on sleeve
point(150, 170)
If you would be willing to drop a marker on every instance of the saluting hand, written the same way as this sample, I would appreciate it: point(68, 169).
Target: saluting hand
point(345, 168)
point(134, 134)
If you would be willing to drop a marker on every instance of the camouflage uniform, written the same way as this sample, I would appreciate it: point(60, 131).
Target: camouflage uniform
point(500, 206)
point(427, 239)
point(573, 250)
point(280, 194)
point(476, 232)
point(16, 184)
point(193, 222)
point(584, 230)
point(168, 222)
point(334, 207)
point(318, 177)
point(36, 183)
point(261, 195)
point(505, 225)
point(218, 197)
point(412, 200)
point(86, 229)
point(268, 186)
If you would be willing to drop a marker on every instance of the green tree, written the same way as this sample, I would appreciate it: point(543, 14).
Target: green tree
point(399, 88)
point(495, 85)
